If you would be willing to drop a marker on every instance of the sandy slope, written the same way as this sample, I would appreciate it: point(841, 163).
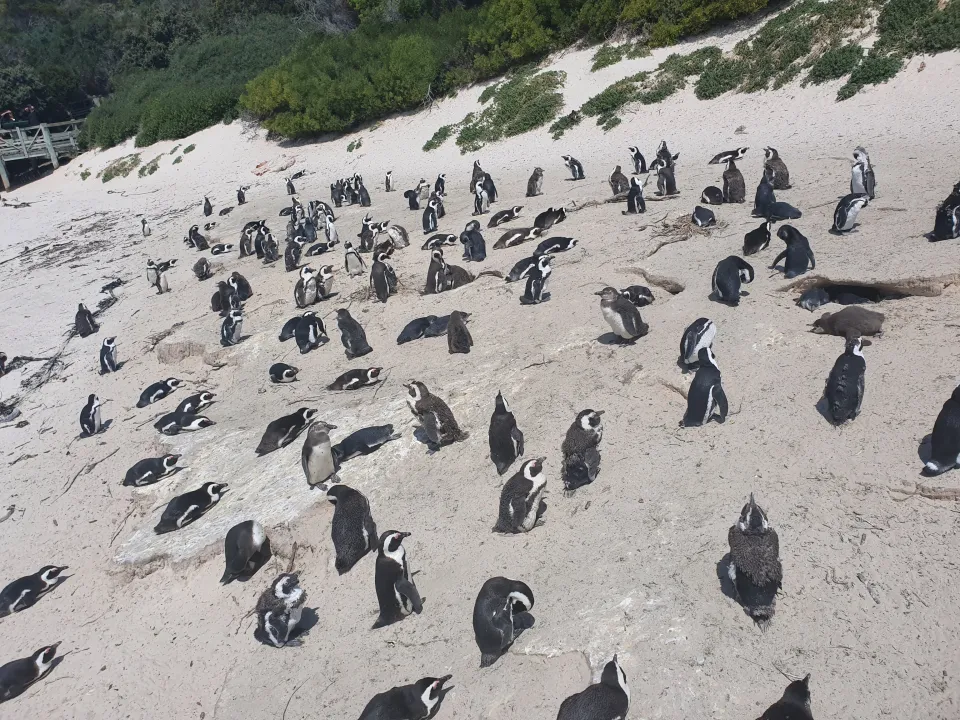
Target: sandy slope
point(629, 564)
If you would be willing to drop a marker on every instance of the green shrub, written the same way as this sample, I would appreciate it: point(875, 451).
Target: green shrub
point(898, 18)
point(149, 168)
point(938, 31)
point(355, 145)
point(84, 174)
point(835, 63)
point(561, 125)
point(121, 167)
point(873, 70)
point(607, 55)
point(177, 160)
point(720, 76)
point(175, 148)
point(189, 148)
point(439, 137)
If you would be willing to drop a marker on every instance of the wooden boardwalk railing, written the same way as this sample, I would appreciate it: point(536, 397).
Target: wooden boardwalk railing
point(47, 140)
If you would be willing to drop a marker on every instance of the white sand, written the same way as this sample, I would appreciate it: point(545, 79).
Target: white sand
point(870, 597)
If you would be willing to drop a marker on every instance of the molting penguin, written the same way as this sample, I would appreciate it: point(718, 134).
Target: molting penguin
point(309, 332)
point(84, 323)
point(521, 500)
point(696, 337)
point(702, 217)
point(150, 470)
point(862, 179)
point(535, 183)
point(705, 398)
point(728, 156)
point(851, 321)
point(574, 166)
point(622, 316)
point(459, 339)
point(635, 202)
point(793, 705)
point(503, 216)
point(283, 431)
point(712, 195)
point(500, 613)
point(754, 566)
point(778, 169)
point(734, 186)
point(758, 239)
point(797, 254)
point(353, 531)
point(845, 215)
point(418, 700)
point(618, 181)
point(18, 675)
point(537, 280)
point(184, 509)
point(108, 356)
point(279, 609)
point(316, 456)
point(245, 548)
point(506, 439)
point(945, 439)
point(352, 336)
point(231, 328)
point(207, 207)
point(24, 592)
point(549, 217)
point(844, 388)
point(282, 373)
point(396, 592)
point(363, 442)
point(727, 277)
point(581, 456)
point(355, 379)
point(201, 268)
point(639, 162)
point(608, 699)
point(90, 417)
point(435, 417)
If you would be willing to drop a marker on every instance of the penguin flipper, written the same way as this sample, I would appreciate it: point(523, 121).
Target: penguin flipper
point(778, 258)
point(517, 436)
point(409, 591)
point(721, 399)
point(813, 261)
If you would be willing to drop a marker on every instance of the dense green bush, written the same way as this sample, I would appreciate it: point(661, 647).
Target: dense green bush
point(938, 31)
point(720, 76)
point(835, 63)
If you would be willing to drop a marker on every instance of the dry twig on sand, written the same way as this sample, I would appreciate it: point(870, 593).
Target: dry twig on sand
point(928, 491)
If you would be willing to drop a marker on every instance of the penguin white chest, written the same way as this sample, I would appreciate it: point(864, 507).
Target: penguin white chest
point(615, 321)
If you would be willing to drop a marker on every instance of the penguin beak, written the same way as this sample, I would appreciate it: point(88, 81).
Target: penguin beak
point(599, 412)
point(404, 534)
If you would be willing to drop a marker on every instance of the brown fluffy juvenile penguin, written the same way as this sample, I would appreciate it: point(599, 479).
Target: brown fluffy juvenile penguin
point(781, 176)
point(459, 339)
point(852, 321)
point(754, 567)
point(435, 417)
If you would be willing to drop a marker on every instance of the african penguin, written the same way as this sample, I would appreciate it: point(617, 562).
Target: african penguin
point(157, 391)
point(845, 215)
point(207, 207)
point(108, 356)
point(862, 179)
point(781, 176)
point(474, 246)
point(316, 456)
point(728, 156)
point(516, 236)
point(305, 291)
point(18, 675)
point(195, 403)
point(24, 592)
point(354, 379)
point(309, 332)
point(353, 531)
point(243, 550)
point(481, 201)
point(618, 181)
point(184, 509)
point(144, 228)
point(241, 195)
point(698, 335)
point(231, 328)
point(754, 566)
point(500, 613)
point(413, 199)
point(639, 162)
point(440, 184)
point(705, 397)
point(574, 166)
point(201, 268)
point(150, 470)
point(84, 323)
point(417, 700)
point(537, 280)
point(666, 181)
point(794, 704)
point(702, 217)
point(757, 239)
point(734, 186)
point(712, 195)
point(90, 417)
point(549, 217)
point(521, 269)
point(221, 249)
point(388, 181)
point(521, 499)
point(798, 255)
point(459, 339)
point(850, 322)
point(435, 417)
point(363, 442)
point(608, 699)
point(282, 373)
point(554, 245)
point(383, 278)
point(439, 326)
point(777, 211)
point(177, 422)
point(414, 329)
point(535, 183)
point(352, 336)
point(945, 438)
point(727, 278)
point(436, 241)
point(844, 388)
point(503, 216)
point(476, 176)
point(635, 202)
point(279, 609)
point(638, 295)
point(396, 592)
point(506, 439)
point(240, 285)
point(352, 262)
point(764, 196)
point(622, 316)
point(581, 456)
point(284, 430)
point(430, 217)
point(436, 274)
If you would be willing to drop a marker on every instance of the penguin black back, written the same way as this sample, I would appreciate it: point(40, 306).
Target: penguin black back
point(506, 439)
point(500, 614)
point(18, 675)
point(754, 566)
point(608, 699)
point(794, 704)
point(416, 701)
point(353, 530)
point(844, 388)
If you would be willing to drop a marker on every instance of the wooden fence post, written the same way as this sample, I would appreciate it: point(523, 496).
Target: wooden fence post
point(3, 175)
point(49, 143)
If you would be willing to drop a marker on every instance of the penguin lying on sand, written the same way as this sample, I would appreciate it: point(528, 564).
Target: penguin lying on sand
point(852, 321)
point(24, 592)
point(500, 613)
point(196, 402)
point(150, 470)
point(283, 431)
point(184, 509)
point(18, 675)
point(417, 700)
point(844, 388)
point(363, 442)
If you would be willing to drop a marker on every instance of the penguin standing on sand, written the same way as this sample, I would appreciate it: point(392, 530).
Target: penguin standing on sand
point(84, 322)
point(184, 509)
point(778, 169)
point(283, 431)
point(316, 457)
point(396, 592)
point(727, 277)
point(696, 337)
point(352, 336)
point(157, 391)
point(353, 531)
point(481, 201)
point(243, 550)
point(150, 470)
point(639, 162)
point(108, 356)
point(440, 184)
point(352, 261)
point(230, 328)
point(537, 281)
point(757, 239)
point(18, 675)
point(635, 202)
point(435, 417)
point(622, 316)
point(734, 186)
point(666, 181)
point(291, 190)
point(945, 438)
point(242, 195)
point(144, 228)
point(413, 199)
point(90, 423)
point(459, 339)
point(506, 439)
point(764, 196)
point(309, 332)
point(845, 215)
point(797, 254)
point(207, 207)
point(474, 246)
point(436, 274)
point(500, 614)
point(754, 566)
point(417, 700)
point(794, 704)
point(574, 166)
point(293, 253)
point(844, 388)
point(383, 279)
point(430, 217)
point(489, 187)
point(535, 183)
point(282, 373)
point(521, 500)
point(24, 592)
point(476, 176)
point(581, 457)
point(279, 609)
point(608, 699)
point(388, 181)
point(618, 181)
point(305, 291)
point(705, 398)
point(862, 179)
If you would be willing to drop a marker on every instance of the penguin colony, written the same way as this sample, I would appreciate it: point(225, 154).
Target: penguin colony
point(503, 606)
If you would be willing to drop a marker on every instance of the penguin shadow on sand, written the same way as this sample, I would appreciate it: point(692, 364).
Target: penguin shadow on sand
point(614, 340)
point(104, 426)
point(925, 453)
point(723, 575)
point(714, 298)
